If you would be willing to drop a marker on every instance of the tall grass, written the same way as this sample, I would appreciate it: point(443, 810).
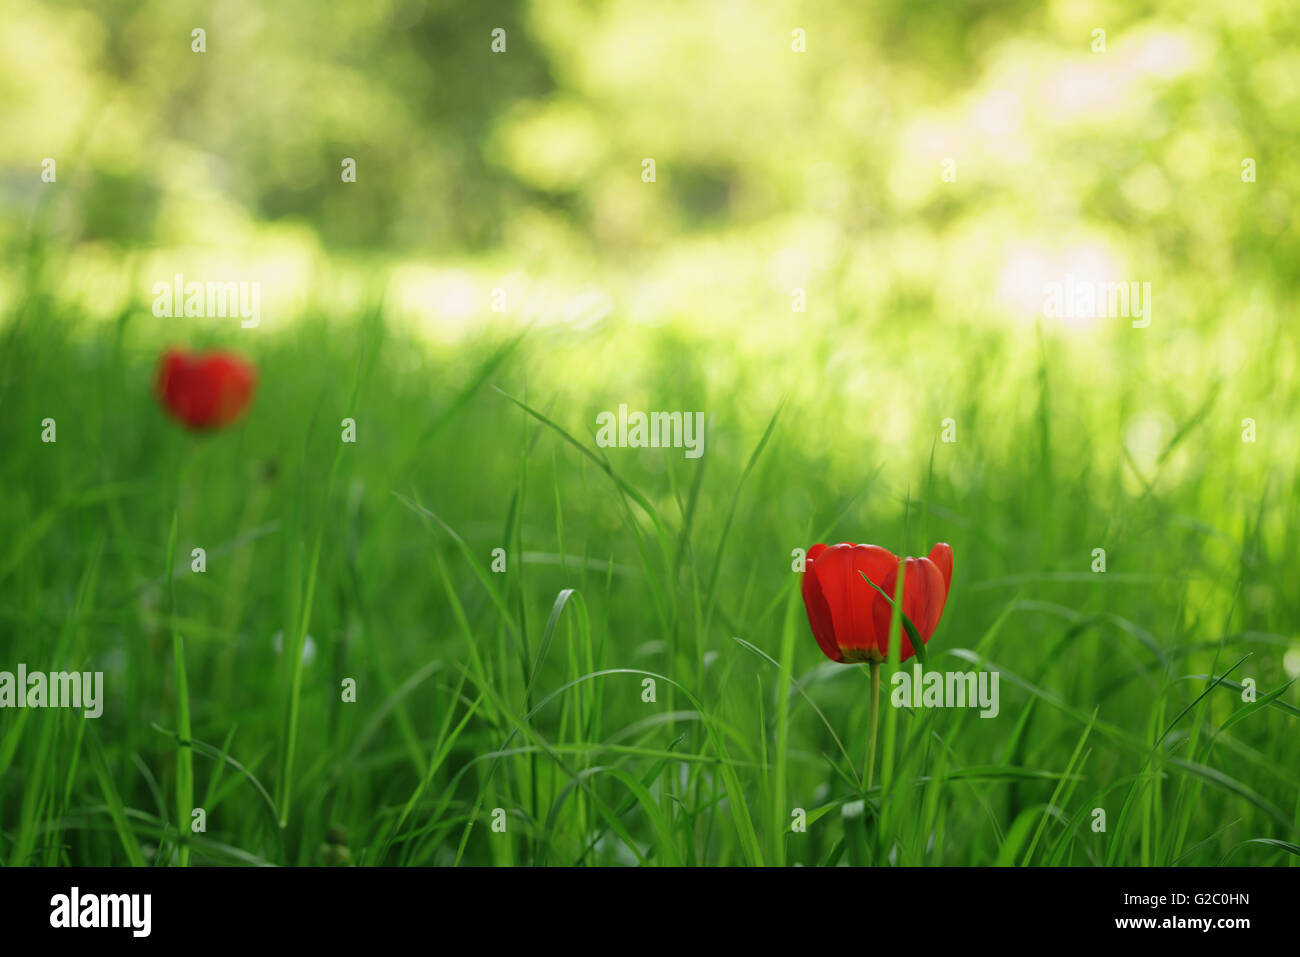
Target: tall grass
point(639, 685)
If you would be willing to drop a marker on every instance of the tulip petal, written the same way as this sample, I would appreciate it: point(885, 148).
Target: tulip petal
point(924, 595)
point(819, 612)
point(941, 555)
point(851, 600)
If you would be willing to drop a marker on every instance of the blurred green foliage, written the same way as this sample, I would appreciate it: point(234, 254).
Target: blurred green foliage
point(458, 147)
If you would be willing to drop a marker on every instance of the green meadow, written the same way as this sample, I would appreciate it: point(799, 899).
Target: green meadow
point(438, 623)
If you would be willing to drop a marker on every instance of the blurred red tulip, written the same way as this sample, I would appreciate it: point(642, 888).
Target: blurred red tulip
point(205, 390)
point(850, 619)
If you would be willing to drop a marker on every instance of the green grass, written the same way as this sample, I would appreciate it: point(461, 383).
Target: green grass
point(628, 570)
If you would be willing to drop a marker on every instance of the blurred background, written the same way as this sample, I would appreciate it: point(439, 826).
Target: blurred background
point(854, 211)
point(775, 170)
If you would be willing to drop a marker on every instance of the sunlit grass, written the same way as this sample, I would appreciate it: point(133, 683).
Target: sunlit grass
point(524, 690)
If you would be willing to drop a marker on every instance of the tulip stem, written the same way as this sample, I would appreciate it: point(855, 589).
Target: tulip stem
point(874, 721)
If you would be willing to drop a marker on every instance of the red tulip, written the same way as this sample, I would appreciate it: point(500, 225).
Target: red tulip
point(850, 619)
point(206, 390)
